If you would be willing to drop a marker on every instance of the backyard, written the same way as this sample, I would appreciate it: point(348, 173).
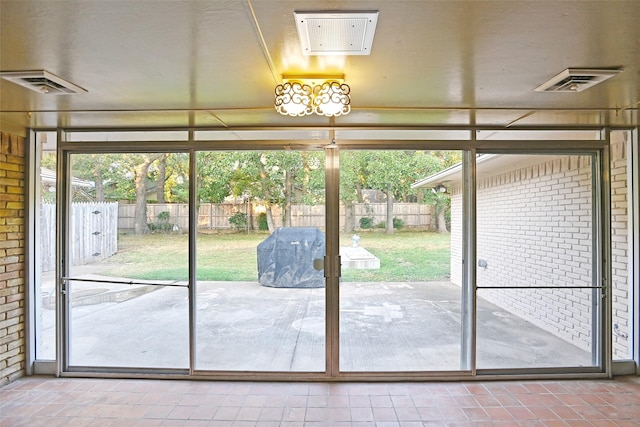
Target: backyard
point(411, 256)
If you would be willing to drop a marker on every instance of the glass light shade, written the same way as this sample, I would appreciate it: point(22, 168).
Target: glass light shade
point(294, 99)
point(331, 99)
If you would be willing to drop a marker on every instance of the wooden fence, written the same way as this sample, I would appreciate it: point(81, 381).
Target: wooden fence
point(94, 233)
point(215, 216)
point(95, 226)
point(48, 237)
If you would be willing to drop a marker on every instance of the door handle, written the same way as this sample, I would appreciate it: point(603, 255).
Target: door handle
point(329, 267)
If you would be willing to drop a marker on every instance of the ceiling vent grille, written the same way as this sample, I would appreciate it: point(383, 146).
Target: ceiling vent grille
point(42, 81)
point(336, 33)
point(576, 79)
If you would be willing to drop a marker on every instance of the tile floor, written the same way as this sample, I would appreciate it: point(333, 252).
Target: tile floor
point(45, 401)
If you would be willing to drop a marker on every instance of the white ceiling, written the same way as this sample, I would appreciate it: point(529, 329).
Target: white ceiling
point(215, 63)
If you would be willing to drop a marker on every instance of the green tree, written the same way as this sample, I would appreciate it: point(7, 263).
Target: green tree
point(176, 181)
point(259, 174)
point(393, 172)
point(353, 177)
point(140, 173)
point(277, 178)
point(441, 202)
point(117, 176)
point(273, 178)
point(97, 169)
point(214, 172)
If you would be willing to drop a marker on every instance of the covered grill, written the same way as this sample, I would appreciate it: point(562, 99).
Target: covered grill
point(285, 258)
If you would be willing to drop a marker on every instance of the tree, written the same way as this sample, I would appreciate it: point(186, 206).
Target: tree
point(393, 172)
point(140, 173)
point(94, 168)
point(353, 172)
point(274, 178)
point(253, 174)
point(121, 176)
point(161, 178)
point(441, 202)
point(258, 173)
point(214, 172)
point(174, 186)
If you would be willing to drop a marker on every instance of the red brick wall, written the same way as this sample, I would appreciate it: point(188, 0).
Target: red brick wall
point(12, 244)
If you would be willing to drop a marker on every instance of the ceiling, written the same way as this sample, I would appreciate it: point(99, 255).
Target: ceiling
point(215, 63)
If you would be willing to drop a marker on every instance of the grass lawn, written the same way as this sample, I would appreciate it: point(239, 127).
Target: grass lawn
point(404, 256)
point(408, 256)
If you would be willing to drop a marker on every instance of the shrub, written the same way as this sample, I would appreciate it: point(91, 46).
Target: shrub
point(366, 222)
point(398, 223)
point(238, 220)
point(262, 222)
point(163, 225)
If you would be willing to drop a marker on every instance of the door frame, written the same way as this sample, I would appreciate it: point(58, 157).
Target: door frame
point(332, 261)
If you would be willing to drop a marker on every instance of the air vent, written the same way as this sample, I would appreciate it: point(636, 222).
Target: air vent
point(42, 81)
point(576, 79)
point(336, 33)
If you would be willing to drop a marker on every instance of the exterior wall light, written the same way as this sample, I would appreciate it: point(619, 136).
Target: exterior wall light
point(439, 189)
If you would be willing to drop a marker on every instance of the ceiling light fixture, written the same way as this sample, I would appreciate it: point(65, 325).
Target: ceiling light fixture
point(304, 95)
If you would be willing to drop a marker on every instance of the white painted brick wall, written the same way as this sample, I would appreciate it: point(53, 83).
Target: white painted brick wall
point(534, 229)
point(539, 232)
point(619, 246)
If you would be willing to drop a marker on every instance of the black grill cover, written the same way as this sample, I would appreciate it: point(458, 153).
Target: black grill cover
point(285, 258)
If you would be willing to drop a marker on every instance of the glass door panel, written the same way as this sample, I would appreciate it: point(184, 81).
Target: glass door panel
point(511, 334)
point(44, 278)
point(537, 299)
point(400, 296)
point(127, 285)
point(260, 296)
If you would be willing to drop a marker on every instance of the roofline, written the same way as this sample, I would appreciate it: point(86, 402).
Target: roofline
point(49, 177)
point(438, 178)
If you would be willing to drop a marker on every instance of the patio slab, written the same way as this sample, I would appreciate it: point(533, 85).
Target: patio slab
point(242, 326)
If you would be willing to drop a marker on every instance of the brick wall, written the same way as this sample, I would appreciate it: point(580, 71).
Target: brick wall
point(12, 243)
point(534, 228)
point(619, 246)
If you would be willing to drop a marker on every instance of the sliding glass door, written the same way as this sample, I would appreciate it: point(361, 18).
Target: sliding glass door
point(400, 296)
point(126, 280)
point(341, 262)
point(260, 247)
point(539, 297)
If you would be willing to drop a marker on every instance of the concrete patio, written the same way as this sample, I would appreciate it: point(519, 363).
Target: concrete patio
point(242, 326)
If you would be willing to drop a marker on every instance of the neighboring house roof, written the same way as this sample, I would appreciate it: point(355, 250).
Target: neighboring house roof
point(48, 177)
point(486, 165)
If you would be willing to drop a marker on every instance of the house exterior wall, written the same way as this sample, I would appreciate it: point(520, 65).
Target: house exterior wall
point(620, 246)
point(534, 228)
point(12, 244)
